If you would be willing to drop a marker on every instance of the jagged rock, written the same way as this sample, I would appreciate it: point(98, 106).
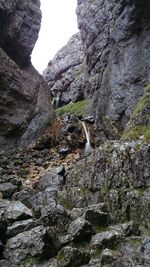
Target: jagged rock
point(145, 249)
point(9, 184)
point(115, 38)
point(8, 189)
point(55, 215)
point(19, 227)
point(41, 200)
point(51, 179)
point(34, 243)
point(80, 229)
point(65, 73)
point(96, 218)
point(107, 239)
point(72, 257)
point(108, 256)
point(25, 196)
point(17, 211)
point(22, 24)
point(25, 110)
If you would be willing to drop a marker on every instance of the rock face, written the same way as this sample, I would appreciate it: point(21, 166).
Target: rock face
point(114, 68)
point(116, 44)
point(24, 96)
point(65, 72)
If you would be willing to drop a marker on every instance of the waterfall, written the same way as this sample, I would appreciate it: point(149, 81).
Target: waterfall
point(88, 148)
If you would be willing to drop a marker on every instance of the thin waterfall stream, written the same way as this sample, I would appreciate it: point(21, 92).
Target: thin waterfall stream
point(88, 148)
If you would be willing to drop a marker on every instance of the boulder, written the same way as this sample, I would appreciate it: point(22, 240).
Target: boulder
point(80, 230)
point(19, 227)
point(17, 211)
point(33, 244)
point(72, 257)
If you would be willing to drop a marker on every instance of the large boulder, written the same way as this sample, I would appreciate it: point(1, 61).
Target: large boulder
point(33, 244)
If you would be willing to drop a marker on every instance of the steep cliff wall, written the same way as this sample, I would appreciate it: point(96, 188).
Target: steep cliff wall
point(116, 41)
point(24, 96)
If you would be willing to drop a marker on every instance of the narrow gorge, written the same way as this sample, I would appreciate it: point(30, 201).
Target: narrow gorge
point(74, 142)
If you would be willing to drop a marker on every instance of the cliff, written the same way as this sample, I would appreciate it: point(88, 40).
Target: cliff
point(61, 204)
point(24, 96)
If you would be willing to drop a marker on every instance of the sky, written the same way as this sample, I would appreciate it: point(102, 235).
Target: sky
point(59, 23)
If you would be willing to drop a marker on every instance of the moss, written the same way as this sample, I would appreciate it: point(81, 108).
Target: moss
point(30, 261)
point(135, 133)
point(78, 108)
point(144, 101)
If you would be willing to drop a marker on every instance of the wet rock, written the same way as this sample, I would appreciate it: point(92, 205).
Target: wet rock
point(89, 119)
point(72, 257)
point(80, 229)
point(17, 211)
point(34, 243)
point(19, 227)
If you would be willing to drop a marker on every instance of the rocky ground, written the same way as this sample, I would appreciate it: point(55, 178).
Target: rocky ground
point(67, 209)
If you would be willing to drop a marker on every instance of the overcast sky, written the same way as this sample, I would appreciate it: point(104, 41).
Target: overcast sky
point(59, 23)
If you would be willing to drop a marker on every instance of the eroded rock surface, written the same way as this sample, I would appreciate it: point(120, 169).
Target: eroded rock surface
point(25, 103)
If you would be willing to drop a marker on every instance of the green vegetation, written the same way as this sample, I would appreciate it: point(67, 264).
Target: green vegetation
point(142, 129)
point(78, 108)
point(137, 131)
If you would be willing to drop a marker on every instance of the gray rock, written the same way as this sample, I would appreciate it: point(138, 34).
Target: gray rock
point(108, 256)
point(33, 243)
point(8, 189)
point(96, 218)
point(21, 29)
point(107, 239)
point(24, 111)
point(72, 257)
point(65, 72)
point(116, 65)
point(17, 211)
point(1, 249)
point(19, 227)
point(55, 215)
point(80, 230)
point(50, 179)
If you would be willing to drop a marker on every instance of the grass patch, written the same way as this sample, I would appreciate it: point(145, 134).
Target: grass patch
point(135, 133)
point(143, 102)
point(78, 108)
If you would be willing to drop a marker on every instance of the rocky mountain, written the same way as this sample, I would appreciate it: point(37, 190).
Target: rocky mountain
point(25, 103)
point(115, 41)
point(70, 196)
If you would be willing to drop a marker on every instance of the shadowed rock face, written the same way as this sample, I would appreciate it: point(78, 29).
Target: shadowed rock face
point(24, 96)
point(115, 36)
point(20, 24)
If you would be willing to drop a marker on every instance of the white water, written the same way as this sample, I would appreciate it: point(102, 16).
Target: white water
point(88, 148)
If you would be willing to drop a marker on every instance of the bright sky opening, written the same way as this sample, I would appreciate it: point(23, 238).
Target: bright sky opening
point(59, 23)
